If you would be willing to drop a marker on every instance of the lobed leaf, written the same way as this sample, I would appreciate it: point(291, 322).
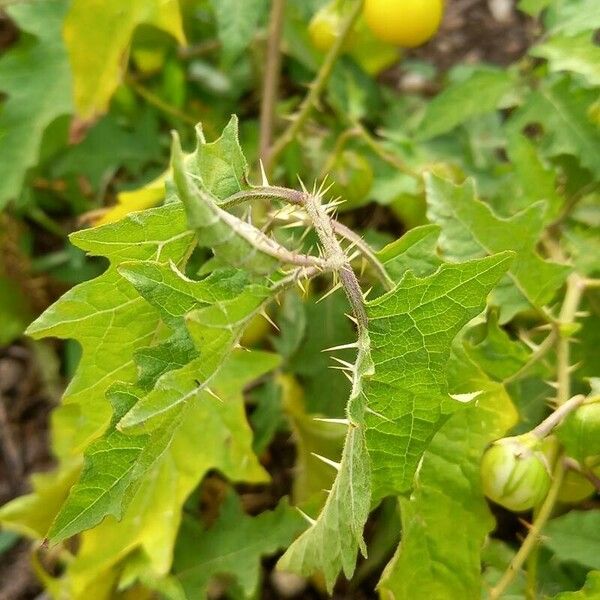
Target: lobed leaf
point(233, 545)
point(411, 330)
point(437, 559)
point(470, 228)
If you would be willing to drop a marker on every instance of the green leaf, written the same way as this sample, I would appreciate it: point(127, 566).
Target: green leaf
point(415, 251)
point(576, 16)
point(35, 76)
point(470, 228)
point(411, 330)
point(234, 545)
point(331, 543)
point(312, 437)
point(480, 93)
point(237, 24)
point(538, 182)
point(234, 241)
point(590, 591)
point(216, 434)
point(577, 54)
point(107, 314)
point(561, 108)
point(107, 28)
point(214, 329)
point(437, 559)
point(492, 349)
point(110, 146)
point(116, 464)
point(575, 537)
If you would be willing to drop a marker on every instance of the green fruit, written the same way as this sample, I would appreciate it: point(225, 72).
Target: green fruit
point(352, 178)
point(580, 433)
point(514, 472)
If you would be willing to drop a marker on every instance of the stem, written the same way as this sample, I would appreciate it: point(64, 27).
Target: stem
point(536, 356)
point(386, 156)
point(341, 141)
point(271, 80)
point(335, 255)
point(549, 424)
point(575, 289)
point(316, 87)
point(157, 101)
point(279, 193)
point(366, 252)
point(532, 538)
point(299, 198)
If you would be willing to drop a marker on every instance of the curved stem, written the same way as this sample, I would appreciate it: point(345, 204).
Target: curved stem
point(316, 87)
point(157, 101)
point(276, 192)
point(549, 424)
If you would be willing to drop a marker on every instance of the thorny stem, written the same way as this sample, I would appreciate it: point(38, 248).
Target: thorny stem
point(276, 192)
point(316, 87)
point(365, 251)
point(271, 78)
point(298, 198)
point(335, 254)
point(532, 538)
point(575, 288)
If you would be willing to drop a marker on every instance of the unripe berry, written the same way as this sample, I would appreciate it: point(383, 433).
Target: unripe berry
point(514, 472)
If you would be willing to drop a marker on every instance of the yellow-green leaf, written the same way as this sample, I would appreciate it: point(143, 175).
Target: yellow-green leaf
point(98, 35)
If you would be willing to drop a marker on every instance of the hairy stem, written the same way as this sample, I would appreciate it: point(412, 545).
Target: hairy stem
point(316, 88)
point(365, 251)
point(271, 79)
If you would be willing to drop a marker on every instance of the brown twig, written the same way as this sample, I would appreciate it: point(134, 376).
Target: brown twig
point(271, 79)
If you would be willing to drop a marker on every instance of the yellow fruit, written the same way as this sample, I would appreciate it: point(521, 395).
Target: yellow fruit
point(324, 27)
point(406, 23)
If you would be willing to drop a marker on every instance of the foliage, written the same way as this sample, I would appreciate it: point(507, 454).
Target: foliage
point(204, 442)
